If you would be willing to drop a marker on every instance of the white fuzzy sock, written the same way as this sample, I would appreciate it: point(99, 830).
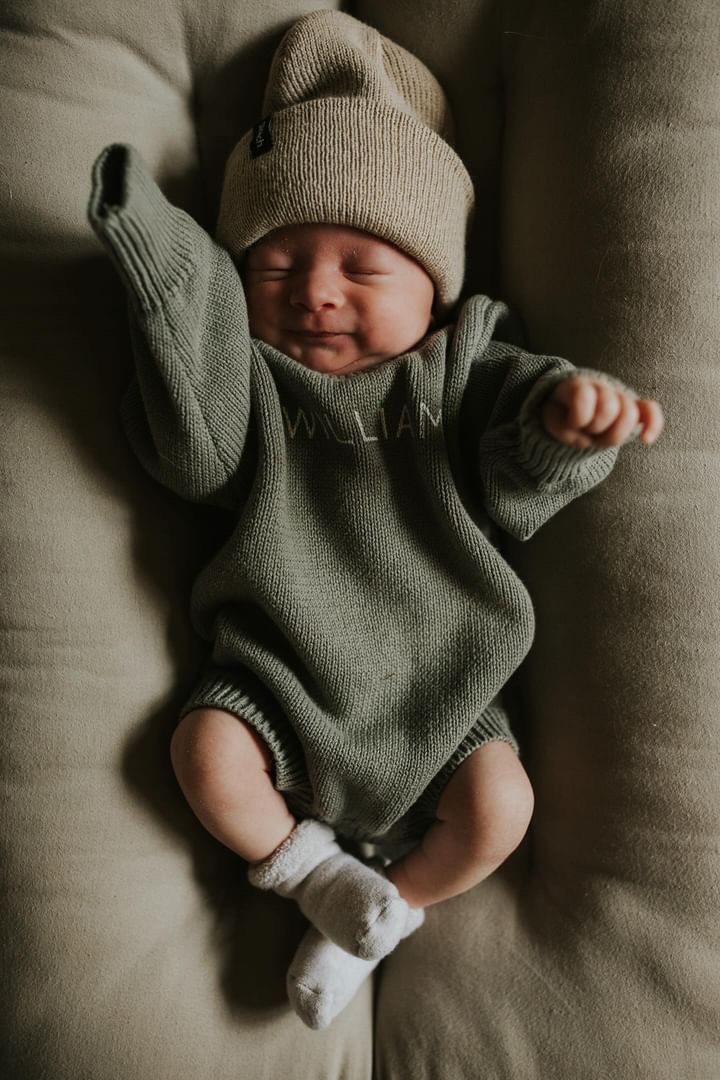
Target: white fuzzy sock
point(323, 978)
point(353, 905)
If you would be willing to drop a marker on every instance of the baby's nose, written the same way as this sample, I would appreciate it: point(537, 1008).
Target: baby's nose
point(314, 290)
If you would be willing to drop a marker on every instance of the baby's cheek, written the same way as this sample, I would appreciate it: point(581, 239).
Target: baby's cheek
point(404, 324)
point(262, 313)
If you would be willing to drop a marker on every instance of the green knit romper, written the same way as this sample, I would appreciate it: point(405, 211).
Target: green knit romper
point(359, 616)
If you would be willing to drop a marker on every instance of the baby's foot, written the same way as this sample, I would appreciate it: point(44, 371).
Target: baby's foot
point(323, 978)
point(353, 905)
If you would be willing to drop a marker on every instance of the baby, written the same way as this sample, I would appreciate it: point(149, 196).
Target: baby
point(362, 622)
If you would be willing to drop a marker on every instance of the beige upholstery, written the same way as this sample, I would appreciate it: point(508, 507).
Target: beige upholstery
point(132, 948)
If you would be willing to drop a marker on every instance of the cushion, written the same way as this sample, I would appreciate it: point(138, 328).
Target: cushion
point(593, 953)
point(136, 946)
point(132, 945)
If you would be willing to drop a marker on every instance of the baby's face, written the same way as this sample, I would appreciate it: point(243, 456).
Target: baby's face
point(335, 299)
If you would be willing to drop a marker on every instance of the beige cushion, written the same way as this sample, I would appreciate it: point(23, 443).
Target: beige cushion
point(596, 954)
point(137, 949)
point(132, 947)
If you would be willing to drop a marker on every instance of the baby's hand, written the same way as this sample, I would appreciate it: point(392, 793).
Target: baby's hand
point(582, 412)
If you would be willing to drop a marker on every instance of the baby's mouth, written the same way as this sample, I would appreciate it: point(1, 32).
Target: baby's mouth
point(318, 335)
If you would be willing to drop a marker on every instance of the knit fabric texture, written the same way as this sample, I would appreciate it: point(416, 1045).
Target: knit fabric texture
point(356, 132)
point(359, 617)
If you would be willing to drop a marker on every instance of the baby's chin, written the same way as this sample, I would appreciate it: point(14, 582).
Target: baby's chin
point(331, 358)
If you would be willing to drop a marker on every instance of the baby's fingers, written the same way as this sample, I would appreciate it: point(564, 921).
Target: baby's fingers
point(555, 421)
point(607, 408)
point(652, 420)
point(627, 420)
point(579, 397)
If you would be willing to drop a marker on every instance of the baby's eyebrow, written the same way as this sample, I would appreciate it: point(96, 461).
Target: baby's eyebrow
point(262, 252)
point(277, 243)
point(369, 254)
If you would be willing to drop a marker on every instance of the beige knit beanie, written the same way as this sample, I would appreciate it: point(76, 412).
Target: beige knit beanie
point(356, 132)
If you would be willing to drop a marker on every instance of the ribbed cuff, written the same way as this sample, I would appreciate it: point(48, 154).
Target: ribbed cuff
point(151, 239)
point(492, 726)
point(551, 462)
point(252, 702)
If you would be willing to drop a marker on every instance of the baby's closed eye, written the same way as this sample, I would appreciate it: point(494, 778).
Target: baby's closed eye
point(353, 272)
point(269, 271)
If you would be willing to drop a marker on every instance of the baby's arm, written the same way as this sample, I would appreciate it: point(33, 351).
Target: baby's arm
point(582, 412)
point(532, 456)
point(186, 412)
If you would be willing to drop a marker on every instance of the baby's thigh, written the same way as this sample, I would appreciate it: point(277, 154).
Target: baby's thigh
point(488, 795)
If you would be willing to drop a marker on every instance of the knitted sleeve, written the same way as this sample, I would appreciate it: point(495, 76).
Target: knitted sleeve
point(186, 412)
point(526, 474)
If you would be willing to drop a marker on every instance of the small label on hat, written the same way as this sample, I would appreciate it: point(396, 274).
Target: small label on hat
point(261, 140)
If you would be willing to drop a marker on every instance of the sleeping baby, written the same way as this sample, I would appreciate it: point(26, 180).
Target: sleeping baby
point(303, 373)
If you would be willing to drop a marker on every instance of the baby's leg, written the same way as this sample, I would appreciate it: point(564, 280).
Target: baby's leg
point(483, 814)
point(225, 771)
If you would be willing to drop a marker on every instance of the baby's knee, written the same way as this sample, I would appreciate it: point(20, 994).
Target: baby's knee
point(490, 802)
point(512, 805)
point(209, 743)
